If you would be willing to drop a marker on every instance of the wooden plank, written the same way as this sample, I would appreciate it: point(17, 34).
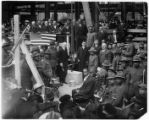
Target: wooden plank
point(31, 64)
point(139, 39)
point(68, 44)
point(137, 30)
point(17, 51)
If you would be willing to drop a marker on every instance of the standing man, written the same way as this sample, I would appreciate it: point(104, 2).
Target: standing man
point(130, 48)
point(101, 35)
point(62, 62)
point(135, 76)
point(116, 59)
point(83, 56)
point(46, 68)
point(80, 33)
point(91, 36)
point(104, 54)
point(53, 57)
point(121, 89)
point(93, 59)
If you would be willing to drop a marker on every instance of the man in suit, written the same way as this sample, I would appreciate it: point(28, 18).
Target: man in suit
point(62, 63)
point(86, 91)
point(83, 56)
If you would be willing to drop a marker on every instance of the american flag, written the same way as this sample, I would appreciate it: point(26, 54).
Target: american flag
point(42, 38)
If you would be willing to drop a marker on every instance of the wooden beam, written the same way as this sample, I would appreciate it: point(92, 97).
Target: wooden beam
point(31, 64)
point(140, 39)
point(87, 13)
point(137, 30)
point(17, 51)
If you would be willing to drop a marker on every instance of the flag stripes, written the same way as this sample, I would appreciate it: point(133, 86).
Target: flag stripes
point(42, 39)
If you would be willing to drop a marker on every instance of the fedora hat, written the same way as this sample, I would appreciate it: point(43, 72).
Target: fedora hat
point(130, 36)
point(120, 75)
point(92, 49)
point(111, 68)
point(106, 63)
point(124, 59)
point(136, 59)
point(35, 54)
point(142, 86)
point(47, 52)
point(111, 76)
point(35, 49)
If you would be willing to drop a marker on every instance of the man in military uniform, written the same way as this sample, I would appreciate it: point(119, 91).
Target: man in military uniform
point(135, 76)
point(140, 102)
point(93, 59)
point(121, 89)
point(108, 89)
point(116, 90)
point(45, 68)
point(91, 36)
point(116, 60)
point(53, 57)
point(130, 48)
point(104, 54)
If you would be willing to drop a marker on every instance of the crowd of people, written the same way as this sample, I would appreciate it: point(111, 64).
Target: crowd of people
point(114, 75)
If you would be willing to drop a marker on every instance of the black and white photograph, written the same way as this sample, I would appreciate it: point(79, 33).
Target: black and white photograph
point(74, 59)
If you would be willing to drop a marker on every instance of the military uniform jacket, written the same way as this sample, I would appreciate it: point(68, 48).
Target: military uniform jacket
point(130, 51)
point(90, 39)
point(93, 62)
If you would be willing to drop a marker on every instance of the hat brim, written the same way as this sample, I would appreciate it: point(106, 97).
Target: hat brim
point(36, 55)
point(109, 78)
point(119, 77)
point(113, 70)
point(136, 60)
point(106, 65)
point(92, 50)
point(123, 60)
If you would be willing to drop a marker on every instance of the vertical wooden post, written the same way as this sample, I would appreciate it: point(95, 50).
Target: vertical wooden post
point(68, 44)
point(17, 51)
point(87, 13)
point(72, 30)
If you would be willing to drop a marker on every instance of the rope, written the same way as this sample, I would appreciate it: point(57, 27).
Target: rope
point(10, 62)
point(7, 66)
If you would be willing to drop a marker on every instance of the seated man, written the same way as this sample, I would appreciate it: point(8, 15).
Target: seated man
point(86, 91)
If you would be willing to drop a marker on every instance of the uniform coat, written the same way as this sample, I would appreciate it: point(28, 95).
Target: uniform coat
point(93, 62)
point(53, 57)
point(105, 55)
point(90, 39)
point(130, 51)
